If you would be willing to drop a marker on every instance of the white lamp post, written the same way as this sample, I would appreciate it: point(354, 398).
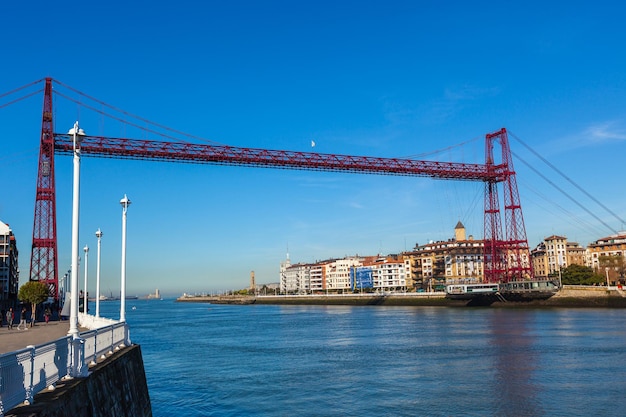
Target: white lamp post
point(86, 249)
point(99, 236)
point(76, 134)
point(125, 202)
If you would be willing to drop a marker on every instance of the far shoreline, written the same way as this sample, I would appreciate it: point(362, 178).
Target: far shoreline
point(568, 297)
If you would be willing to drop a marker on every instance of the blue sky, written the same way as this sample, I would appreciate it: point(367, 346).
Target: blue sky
point(390, 79)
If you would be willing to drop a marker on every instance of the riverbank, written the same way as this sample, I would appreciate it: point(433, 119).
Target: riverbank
point(569, 296)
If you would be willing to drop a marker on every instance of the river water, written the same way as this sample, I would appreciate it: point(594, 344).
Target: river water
point(264, 360)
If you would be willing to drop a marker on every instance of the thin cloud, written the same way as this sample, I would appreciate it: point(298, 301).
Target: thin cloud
point(452, 101)
point(355, 205)
point(606, 132)
point(601, 133)
point(469, 92)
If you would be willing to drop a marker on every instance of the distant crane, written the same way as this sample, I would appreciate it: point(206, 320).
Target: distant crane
point(505, 257)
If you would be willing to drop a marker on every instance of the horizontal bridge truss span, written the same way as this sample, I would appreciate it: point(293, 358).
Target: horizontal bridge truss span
point(230, 155)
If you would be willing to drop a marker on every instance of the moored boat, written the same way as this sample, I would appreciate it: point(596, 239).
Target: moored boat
point(471, 291)
point(508, 291)
point(528, 290)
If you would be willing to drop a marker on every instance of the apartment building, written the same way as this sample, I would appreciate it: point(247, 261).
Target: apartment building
point(295, 279)
point(9, 268)
point(576, 254)
point(316, 274)
point(329, 275)
point(555, 253)
point(392, 273)
point(600, 252)
point(362, 278)
point(336, 273)
point(457, 260)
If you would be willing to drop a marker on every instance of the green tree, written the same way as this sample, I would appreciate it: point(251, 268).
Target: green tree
point(580, 275)
point(33, 292)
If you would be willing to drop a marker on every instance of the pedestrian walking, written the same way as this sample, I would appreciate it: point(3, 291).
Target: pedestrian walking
point(46, 315)
point(22, 319)
point(10, 318)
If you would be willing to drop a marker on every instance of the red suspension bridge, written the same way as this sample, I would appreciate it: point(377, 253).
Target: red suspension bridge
point(506, 254)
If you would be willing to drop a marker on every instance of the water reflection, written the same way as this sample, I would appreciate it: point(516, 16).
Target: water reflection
point(515, 361)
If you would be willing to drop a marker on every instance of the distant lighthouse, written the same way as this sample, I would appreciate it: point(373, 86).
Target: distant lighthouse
point(252, 283)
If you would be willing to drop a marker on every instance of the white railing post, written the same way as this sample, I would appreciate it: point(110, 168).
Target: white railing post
point(29, 388)
point(79, 367)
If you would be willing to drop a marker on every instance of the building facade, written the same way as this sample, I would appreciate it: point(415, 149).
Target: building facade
point(608, 256)
point(336, 273)
point(555, 253)
point(457, 260)
point(346, 275)
point(392, 273)
point(9, 268)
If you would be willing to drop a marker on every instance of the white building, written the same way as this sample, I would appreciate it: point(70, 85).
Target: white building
point(336, 273)
point(391, 273)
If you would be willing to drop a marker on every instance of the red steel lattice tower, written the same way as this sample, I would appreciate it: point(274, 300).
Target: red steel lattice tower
point(43, 261)
point(504, 259)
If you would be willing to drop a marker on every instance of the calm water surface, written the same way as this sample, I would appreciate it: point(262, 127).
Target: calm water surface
point(257, 360)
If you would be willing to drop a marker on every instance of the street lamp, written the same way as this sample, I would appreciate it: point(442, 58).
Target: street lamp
point(99, 236)
point(125, 202)
point(86, 249)
point(76, 134)
point(63, 292)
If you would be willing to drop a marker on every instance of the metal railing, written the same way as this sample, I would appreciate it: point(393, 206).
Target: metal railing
point(25, 372)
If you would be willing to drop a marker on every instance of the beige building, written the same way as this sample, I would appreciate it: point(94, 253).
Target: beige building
point(555, 253)
point(610, 246)
point(457, 260)
point(336, 273)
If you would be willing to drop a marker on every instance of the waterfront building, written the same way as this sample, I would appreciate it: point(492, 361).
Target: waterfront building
point(540, 260)
point(295, 279)
point(609, 252)
point(555, 253)
point(301, 278)
point(316, 278)
point(576, 254)
point(457, 260)
point(391, 273)
point(381, 273)
point(362, 278)
point(9, 268)
point(336, 273)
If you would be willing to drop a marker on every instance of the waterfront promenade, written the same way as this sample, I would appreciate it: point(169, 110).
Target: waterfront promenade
point(11, 340)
